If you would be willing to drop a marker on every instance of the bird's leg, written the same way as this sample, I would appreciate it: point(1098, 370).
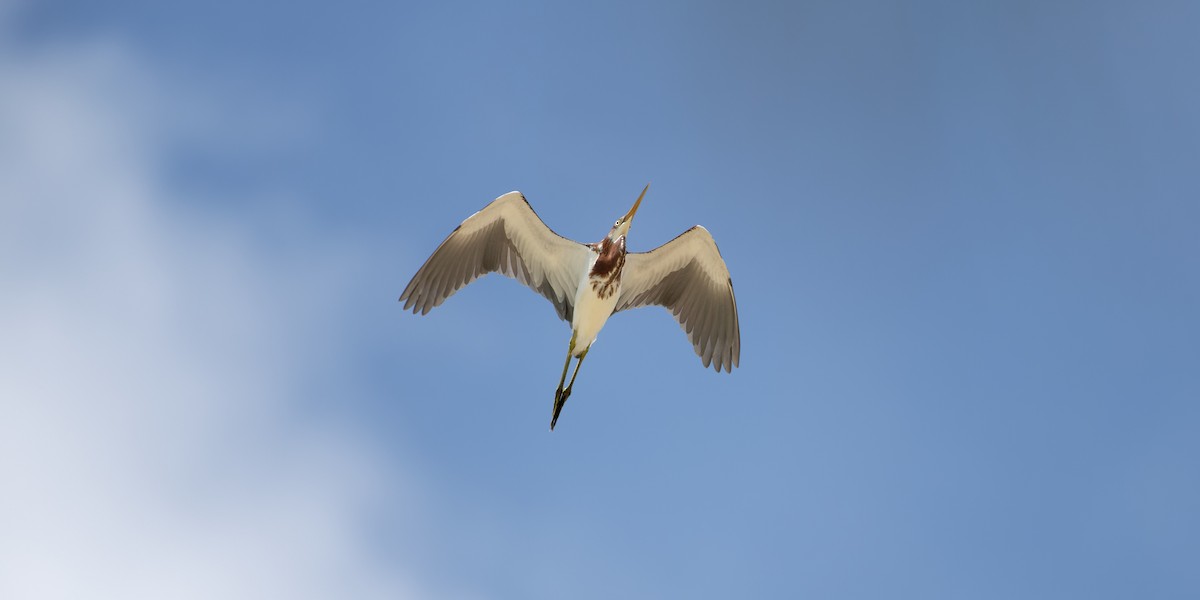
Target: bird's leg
point(559, 397)
point(566, 365)
point(567, 392)
point(563, 379)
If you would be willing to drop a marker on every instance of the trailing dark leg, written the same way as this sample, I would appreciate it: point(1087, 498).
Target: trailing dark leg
point(560, 397)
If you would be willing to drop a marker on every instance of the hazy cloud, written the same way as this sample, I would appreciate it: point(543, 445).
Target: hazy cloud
point(148, 362)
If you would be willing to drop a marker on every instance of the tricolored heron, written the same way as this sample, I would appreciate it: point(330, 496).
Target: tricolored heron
point(587, 283)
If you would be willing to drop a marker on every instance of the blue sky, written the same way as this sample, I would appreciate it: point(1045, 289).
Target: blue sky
point(962, 236)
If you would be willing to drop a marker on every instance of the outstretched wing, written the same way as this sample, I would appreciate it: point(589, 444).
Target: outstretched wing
point(688, 276)
point(508, 237)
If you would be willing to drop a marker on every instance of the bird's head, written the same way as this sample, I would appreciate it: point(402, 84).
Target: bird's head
point(621, 227)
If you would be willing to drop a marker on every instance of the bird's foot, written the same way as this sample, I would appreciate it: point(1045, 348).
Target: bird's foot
point(560, 398)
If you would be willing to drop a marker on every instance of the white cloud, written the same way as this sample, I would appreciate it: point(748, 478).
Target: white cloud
point(149, 444)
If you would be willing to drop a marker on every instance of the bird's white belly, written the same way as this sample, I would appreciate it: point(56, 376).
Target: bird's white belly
point(591, 312)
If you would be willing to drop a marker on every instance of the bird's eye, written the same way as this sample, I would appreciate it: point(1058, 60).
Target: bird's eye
point(617, 224)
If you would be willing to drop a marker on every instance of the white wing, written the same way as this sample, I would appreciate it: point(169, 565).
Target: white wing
point(508, 237)
point(688, 276)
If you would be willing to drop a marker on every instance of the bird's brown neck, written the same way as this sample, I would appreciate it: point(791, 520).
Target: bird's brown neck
point(606, 271)
point(611, 259)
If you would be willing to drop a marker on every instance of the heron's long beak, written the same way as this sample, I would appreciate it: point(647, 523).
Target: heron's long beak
point(629, 215)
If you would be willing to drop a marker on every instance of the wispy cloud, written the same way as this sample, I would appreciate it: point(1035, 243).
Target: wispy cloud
point(149, 443)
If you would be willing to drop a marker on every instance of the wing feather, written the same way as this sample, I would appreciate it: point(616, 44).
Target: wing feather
point(506, 237)
point(689, 278)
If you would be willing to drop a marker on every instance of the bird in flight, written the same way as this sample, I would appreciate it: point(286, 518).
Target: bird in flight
point(588, 283)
